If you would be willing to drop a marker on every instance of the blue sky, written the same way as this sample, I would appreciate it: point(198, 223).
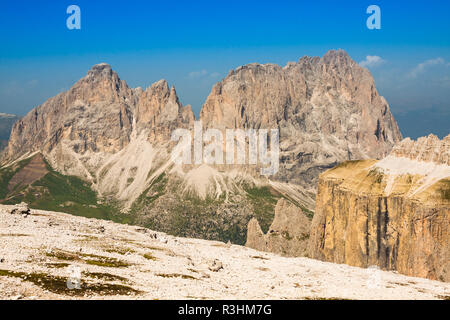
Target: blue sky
point(193, 44)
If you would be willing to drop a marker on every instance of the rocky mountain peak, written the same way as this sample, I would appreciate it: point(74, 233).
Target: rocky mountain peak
point(158, 104)
point(101, 71)
point(100, 67)
point(337, 56)
point(161, 86)
point(327, 109)
point(100, 85)
point(173, 95)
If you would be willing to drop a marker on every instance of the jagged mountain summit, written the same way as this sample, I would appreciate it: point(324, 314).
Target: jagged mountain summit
point(98, 114)
point(327, 109)
point(116, 140)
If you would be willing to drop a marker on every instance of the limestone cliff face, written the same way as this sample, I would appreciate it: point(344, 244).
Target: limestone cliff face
point(288, 234)
point(160, 110)
point(393, 213)
point(327, 109)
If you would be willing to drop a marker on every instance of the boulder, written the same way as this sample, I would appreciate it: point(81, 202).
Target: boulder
point(288, 234)
point(215, 265)
point(21, 208)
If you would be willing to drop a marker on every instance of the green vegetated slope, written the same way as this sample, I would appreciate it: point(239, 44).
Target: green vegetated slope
point(165, 205)
point(263, 201)
point(7, 173)
point(55, 192)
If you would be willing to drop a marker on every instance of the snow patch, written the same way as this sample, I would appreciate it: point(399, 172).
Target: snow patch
point(396, 166)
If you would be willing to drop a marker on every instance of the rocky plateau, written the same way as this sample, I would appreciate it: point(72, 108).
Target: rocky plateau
point(393, 213)
point(46, 255)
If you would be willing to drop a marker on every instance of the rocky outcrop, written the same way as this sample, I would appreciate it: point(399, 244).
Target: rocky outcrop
point(21, 208)
point(288, 234)
point(393, 213)
point(160, 110)
point(327, 109)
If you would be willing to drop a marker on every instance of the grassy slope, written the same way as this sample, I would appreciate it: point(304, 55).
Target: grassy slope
point(263, 200)
point(163, 206)
point(167, 207)
point(7, 173)
point(186, 215)
point(57, 192)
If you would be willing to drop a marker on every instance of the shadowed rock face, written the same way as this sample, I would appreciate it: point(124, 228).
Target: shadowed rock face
point(394, 213)
point(328, 110)
point(288, 235)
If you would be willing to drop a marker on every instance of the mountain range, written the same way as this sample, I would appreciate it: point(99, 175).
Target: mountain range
point(102, 149)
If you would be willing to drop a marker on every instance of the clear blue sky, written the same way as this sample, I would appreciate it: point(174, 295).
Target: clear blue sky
point(194, 44)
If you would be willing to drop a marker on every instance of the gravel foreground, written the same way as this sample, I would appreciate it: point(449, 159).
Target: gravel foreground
point(50, 255)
